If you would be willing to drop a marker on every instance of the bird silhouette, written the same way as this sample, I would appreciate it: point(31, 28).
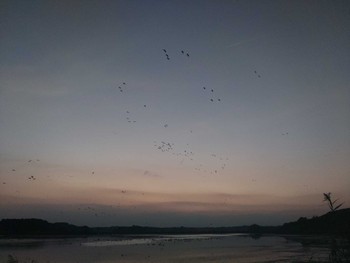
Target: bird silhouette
point(183, 52)
point(164, 50)
point(188, 55)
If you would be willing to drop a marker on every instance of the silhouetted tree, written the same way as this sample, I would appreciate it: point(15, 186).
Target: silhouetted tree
point(331, 204)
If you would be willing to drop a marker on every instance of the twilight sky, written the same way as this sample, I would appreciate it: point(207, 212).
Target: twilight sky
point(78, 145)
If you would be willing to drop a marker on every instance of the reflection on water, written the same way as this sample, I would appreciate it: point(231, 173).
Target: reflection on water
point(125, 242)
point(171, 248)
point(21, 243)
point(132, 240)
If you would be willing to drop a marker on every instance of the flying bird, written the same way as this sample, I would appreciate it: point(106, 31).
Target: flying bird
point(188, 55)
point(164, 50)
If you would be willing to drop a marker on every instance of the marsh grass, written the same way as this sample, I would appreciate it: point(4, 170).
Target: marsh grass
point(331, 204)
point(339, 254)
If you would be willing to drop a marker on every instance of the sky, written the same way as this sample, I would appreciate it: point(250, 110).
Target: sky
point(105, 121)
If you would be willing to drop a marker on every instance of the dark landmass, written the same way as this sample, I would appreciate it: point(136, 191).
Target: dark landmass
point(333, 223)
point(33, 226)
point(39, 227)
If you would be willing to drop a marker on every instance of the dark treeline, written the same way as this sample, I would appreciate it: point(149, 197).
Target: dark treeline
point(332, 223)
point(33, 226)
point(39, 227)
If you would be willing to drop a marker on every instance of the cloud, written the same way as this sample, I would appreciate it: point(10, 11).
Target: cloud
point(151, 174)
point(176, 202)
point(156, 214)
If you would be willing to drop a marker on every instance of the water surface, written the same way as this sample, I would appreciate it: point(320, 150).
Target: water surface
point(239, 248)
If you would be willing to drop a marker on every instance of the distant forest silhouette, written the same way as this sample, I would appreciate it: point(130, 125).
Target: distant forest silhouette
point(332, 223)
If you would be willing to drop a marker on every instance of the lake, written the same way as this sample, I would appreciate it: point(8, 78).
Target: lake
point(169, 248)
